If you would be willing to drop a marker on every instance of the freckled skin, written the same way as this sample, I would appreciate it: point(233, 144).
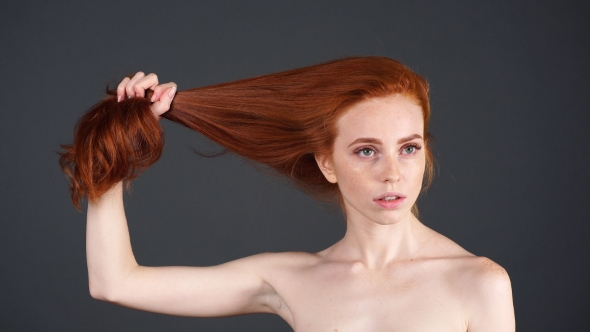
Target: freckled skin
point(361, 178)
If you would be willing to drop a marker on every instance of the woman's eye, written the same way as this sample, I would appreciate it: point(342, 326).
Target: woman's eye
point(410, 149)
point(366, 152)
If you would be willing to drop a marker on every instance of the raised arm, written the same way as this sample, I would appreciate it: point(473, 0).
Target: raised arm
point(236, 287)
point(233, 288)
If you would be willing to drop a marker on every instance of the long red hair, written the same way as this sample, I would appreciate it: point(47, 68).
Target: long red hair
point(280, 120)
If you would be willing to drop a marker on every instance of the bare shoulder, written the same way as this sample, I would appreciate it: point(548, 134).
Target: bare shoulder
point(470, 271)
point(482, 277)
point(484, 270)
point(486, 293)
point(480, 284)
point(476, 277)
point(485, 278)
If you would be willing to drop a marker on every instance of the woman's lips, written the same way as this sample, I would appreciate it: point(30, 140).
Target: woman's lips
point(390, 200)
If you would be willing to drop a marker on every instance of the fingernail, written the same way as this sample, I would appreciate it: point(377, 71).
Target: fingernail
point(153, 98)
point(118, 98)
point(171, 92)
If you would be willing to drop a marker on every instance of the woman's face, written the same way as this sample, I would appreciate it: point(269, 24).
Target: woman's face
point(378, 159)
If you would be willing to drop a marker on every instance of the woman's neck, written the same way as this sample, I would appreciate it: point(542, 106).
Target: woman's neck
point(376, 245)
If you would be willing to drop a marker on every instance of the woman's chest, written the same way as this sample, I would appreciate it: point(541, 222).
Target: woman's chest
point(332, 300)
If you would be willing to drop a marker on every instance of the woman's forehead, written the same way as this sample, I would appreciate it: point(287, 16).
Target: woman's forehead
point(387, 117)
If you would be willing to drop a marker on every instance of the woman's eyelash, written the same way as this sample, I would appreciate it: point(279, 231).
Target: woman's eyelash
point(414, 146)
point(365, 151)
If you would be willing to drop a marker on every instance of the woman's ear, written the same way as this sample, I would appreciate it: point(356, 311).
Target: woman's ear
point(325, 165)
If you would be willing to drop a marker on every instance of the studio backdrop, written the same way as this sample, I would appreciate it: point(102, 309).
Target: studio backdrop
point(509, 87)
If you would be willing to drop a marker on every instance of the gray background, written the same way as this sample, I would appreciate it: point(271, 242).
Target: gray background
point(509, 83)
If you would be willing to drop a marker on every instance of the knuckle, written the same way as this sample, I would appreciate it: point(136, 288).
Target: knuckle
point(123, 83)
point(153, 79)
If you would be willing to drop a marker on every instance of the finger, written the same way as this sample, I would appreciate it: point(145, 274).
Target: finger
point(129, 88)
point(121, 88)
point(163, 104)
point(149, 81)
point(160, 89)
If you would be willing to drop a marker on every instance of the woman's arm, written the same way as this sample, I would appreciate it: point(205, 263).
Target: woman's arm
point(233, 288)
point(229, 289)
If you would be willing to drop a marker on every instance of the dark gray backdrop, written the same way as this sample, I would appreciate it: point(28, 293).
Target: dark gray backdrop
point(509, 84)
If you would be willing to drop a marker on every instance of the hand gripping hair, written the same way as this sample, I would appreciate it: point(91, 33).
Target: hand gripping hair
point(280, 120)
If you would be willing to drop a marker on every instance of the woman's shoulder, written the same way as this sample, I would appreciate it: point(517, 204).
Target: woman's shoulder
point(466, 270)
point(481, 285)
point(482, 288)
point(482, 278)
point(477, 278)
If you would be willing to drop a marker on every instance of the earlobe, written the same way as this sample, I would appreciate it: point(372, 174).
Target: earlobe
point(325, 165)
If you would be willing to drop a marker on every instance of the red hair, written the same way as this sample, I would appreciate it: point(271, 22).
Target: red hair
point(280, 120)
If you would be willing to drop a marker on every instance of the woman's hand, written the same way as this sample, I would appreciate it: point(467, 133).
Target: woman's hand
point(137, 86)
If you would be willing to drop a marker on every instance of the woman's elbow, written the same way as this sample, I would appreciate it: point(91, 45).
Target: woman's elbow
point(97, 293)
point(101, 292)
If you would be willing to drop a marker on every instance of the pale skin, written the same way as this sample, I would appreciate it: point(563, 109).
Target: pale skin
point(388, 273)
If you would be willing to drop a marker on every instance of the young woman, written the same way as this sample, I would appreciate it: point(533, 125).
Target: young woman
point(354, 130)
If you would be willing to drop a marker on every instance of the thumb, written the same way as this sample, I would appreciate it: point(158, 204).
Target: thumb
point(162, 105)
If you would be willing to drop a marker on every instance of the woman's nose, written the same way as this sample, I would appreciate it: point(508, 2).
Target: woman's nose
point(390, 169)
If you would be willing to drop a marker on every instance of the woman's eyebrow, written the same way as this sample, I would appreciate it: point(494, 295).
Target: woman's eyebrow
point(378, 141)
point(409, 138)
point(366, 140)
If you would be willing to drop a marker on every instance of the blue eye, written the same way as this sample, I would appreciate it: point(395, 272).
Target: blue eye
point(410, 149)
point(366, 152)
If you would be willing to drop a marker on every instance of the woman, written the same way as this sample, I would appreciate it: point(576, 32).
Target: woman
point(354, 130)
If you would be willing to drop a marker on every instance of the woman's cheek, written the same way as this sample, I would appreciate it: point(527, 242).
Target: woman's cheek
point(352, 181)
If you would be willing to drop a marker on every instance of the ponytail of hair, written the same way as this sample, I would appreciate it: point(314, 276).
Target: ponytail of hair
point(280, 120)
point(113, 142)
